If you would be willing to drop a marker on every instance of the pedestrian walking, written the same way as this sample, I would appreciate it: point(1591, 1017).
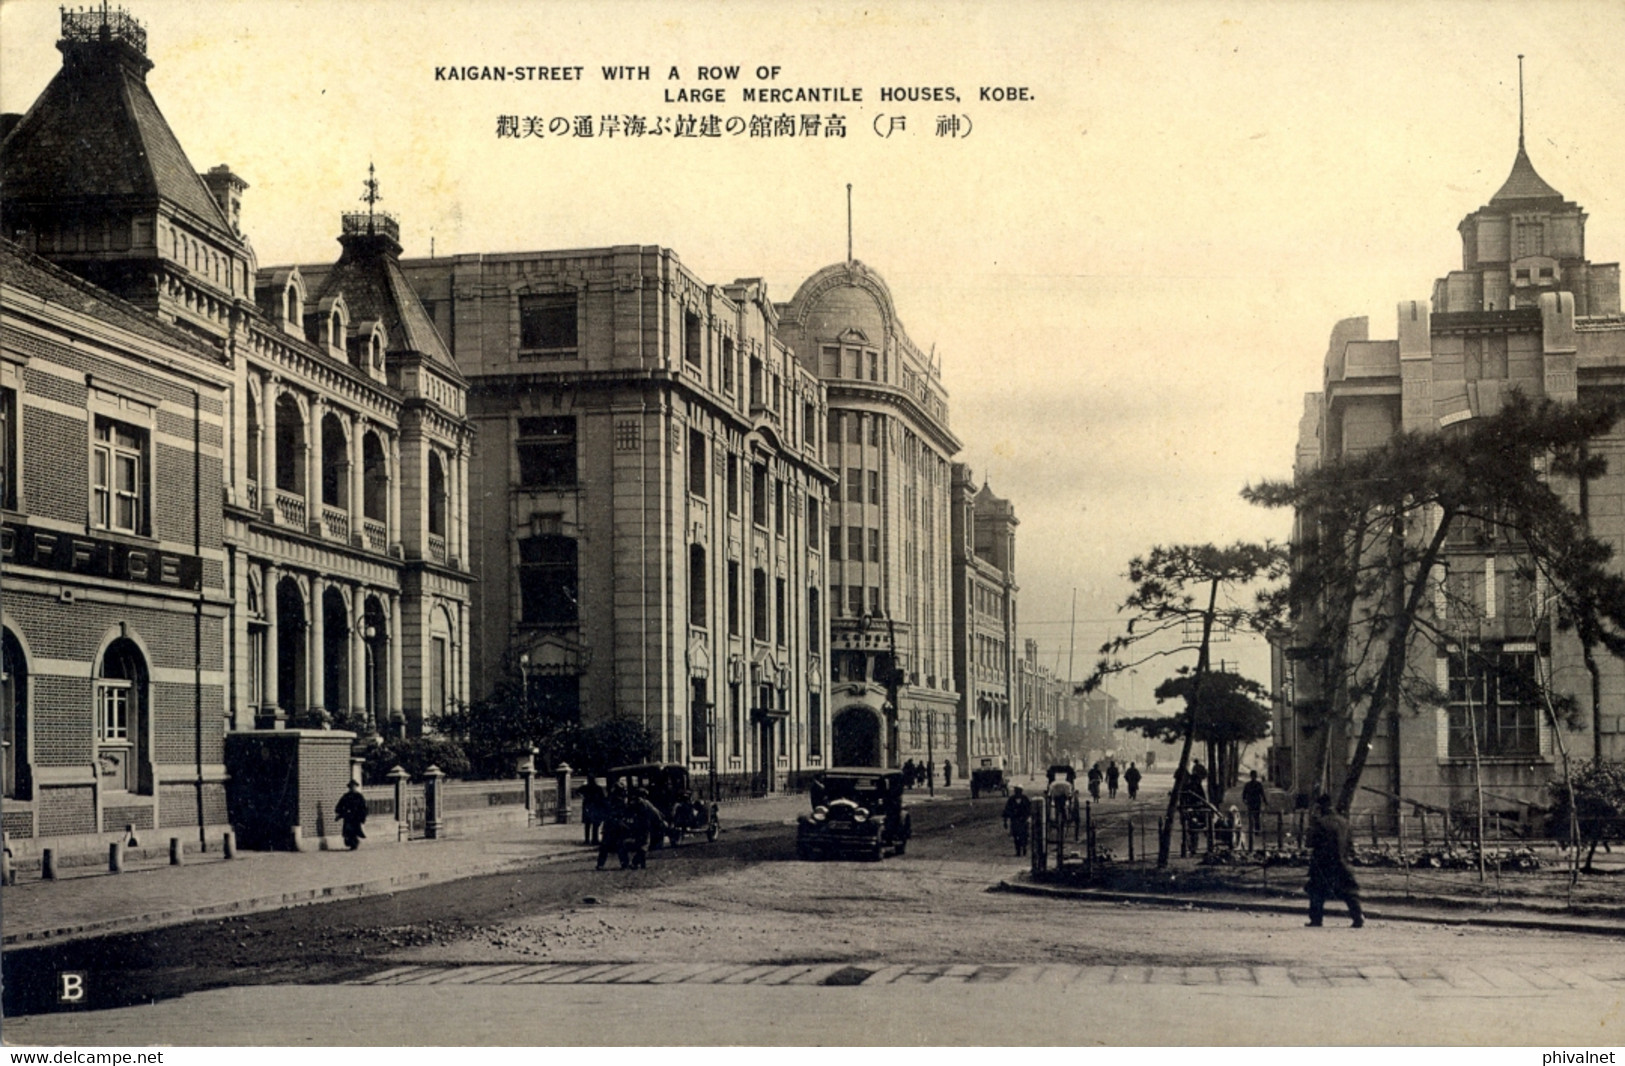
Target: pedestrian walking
point(1018, 815)
point(351, 811)
point(644, 826)
point(1252, 796)
point(1330, 876)
point(1111, 779)
point(614, 825)
point(947, 773)
point(908, 773)
point(593, 798)
point(1094, 782)
point(1131, 778)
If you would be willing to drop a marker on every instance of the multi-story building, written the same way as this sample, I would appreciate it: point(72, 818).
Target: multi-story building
point(984, 606)
point(650, 497)
point(1040, 699)
point(1526, 312)
point(892, 692)
point(333, 580)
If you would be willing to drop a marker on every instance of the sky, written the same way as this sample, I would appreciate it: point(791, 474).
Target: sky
point(1129, 277)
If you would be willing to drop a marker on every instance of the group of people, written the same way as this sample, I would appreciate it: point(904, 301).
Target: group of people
point(1110, 775)
point(916, 774)
point(621, 821)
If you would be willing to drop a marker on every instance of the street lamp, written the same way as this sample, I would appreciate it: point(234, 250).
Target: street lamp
point(524, 685)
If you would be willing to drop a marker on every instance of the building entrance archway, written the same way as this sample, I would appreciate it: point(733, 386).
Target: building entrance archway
point(856, 738)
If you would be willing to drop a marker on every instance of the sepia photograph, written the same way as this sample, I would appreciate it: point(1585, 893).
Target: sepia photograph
point(924, 523)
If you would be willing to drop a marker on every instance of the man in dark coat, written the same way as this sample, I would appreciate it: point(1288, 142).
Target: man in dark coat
point(643, 827)
point(1329, 874)
point(947, 773)
point(352, 811)
point(1018, 815)
point(1252, 794)
point(614, 825)
point(1094, 782)
point(593, 798)
point(1111, 779)
point(1131, 778)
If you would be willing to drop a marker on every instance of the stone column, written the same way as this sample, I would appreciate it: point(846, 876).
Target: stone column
point(313, 469)
point(460, 504)
point(358, 482)
point(358, 650)
point(395, 479)
point(397, 704)
point(270, 714)
point(268, 439)
point(317, 655)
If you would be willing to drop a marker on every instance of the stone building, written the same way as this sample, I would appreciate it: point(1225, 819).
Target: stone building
point(893, 695)
point(1526, 312)
point(1040, 701)
point(318, 405)
point(984, 606)
point(650, 492)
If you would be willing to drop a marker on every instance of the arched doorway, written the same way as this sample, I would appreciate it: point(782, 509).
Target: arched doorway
point(122, 701)
point(290, 664)
point(335, 651)
point(856, 738)
point(14, 712)
point(375, 675)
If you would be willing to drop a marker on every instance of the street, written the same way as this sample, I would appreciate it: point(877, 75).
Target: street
point(737, 942)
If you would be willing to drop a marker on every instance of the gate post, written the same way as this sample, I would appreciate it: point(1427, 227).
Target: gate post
point(398, 777)
point(433, 802)
point(527, 770)
point(561, 804)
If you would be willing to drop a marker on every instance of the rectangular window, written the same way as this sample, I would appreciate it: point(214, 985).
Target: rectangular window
point(691, 339)
point(779, 608)
point(854, 485)
point(733, 598)
point(854, 543)
point(547, 580)
point(547, 452)
point(758, 622)
point(547, 323)
point(778, 507)
point(835, 427)
point(813, 524)
point(874, 430)
point(874, 366)
point(736, 719)
point(755, 382)
point(1492, 701)
point(835, 601)
point(437, 676)
point(854, 429)
point(699, 721)
point(835, 542)
point(874, 600)
point(8, 449)
point(728, 365)
point(114, 711)
point(119, 477)
point(758, 495)
point(733, 484)
point(854, 600)
point(874, 545)
point(830, 365)
point(696, 462)
point(698, 578)
point(809, 421)
point(815, 725)
point(815, 622)
point(874, 487)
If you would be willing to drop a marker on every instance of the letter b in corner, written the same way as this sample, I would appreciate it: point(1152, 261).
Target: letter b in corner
point(70, 988)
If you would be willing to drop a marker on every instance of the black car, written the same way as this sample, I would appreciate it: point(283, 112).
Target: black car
point(857, 811)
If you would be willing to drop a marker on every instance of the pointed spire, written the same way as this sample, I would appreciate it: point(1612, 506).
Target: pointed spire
point(1523, 183)
point(1520, 101)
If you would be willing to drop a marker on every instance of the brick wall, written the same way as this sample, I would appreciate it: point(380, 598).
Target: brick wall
point(324, 770)
point(63, 811)
point(62, 727)
point(178, 805)
point(114, 819)
point(59, 488)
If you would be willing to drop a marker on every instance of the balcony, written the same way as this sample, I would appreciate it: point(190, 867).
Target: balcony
point(437, 548)
point(335, 524)
point(374, 537)
point(290, 509)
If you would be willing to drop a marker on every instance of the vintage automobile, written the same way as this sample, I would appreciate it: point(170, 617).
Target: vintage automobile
point(988, 778)
point(857, 811)
point(667, 787)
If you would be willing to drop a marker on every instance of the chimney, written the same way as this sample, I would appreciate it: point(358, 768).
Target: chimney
point(227, 190)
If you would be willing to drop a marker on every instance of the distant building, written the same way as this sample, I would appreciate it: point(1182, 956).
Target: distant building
point(650, 495)
point(892, 695)
point(984, 564)
point(1526, 312)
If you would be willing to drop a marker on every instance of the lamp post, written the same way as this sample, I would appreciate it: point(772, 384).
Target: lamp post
point(711, 744)
point(524, 685)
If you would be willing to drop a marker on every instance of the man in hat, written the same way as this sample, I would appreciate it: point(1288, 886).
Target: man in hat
point(1329, 874)
point(1018, 815)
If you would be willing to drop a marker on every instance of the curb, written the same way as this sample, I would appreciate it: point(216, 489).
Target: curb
point(1194, 902)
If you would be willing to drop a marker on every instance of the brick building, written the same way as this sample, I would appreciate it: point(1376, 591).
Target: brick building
point(285, 447)
point(1526, 312)
point(893, 695)
point(650, 494)
point(984, 606)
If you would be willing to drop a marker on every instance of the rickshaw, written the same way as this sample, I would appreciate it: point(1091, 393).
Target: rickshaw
point(667, 786)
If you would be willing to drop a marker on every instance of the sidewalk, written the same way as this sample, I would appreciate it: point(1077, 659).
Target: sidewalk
point(89, 901)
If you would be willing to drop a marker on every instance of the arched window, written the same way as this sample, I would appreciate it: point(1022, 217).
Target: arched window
point(375, 473)
point(696, 586)
point(14, 775)
point(336, 328)
point(122, 755)
point(437, 496)
point(253, 425)
point(290, 304)
point(335, 463)
point(376, 346)
point(290, 445)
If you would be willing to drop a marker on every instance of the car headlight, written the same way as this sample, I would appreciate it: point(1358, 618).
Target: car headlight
point(860, 815)
point(820, 814)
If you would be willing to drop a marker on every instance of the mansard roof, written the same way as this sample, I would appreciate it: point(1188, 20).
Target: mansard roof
point(96, 133)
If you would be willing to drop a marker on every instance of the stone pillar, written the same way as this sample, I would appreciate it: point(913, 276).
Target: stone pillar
point(358, 649)
point(270, 713)
point(268, 444)
point(460, 504)
point(561, 804)
point(434, 802)
point(393, 536)
point(358, 480)
point(313, 469)
point(397, 703)
point(398, 778)
point(317, 655)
